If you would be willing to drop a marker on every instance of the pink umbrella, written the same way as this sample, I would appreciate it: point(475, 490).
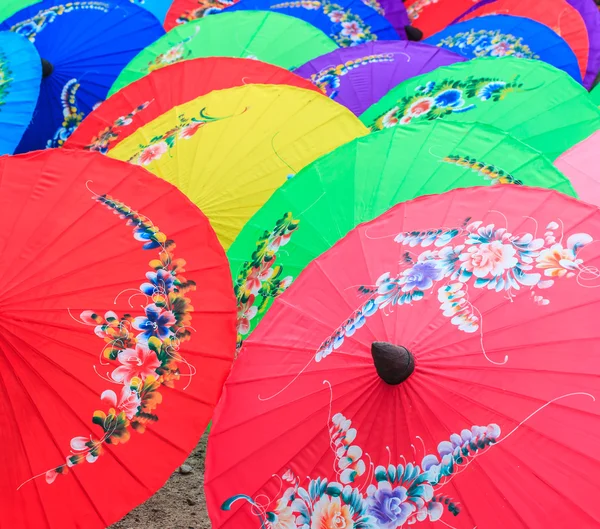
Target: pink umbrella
point(580, 165)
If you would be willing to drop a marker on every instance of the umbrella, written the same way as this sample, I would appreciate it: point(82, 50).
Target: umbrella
point(359, 76)
point(20, 76)
point(558, 15)
point(269, 37)
point(184, 11)
point(229, 150)
point(502, 35)
point(591, 18)
point(8, 9)
point(531, 100)
point(147, 98)
point(112, 358)
point(158, 8)
point(347, 22)
point(579, 164)
point(595, 95)
point(79, 65)
point(359, 181)
point(433, 382)
point(432, 16)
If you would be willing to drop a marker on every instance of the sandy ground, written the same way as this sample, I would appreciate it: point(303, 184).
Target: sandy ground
point(180, 504)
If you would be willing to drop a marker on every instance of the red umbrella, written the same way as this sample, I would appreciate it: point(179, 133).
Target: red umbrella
point(431, 16)
point(151, 96)
point(438, 366)
point(183, 11)
point(117, 325)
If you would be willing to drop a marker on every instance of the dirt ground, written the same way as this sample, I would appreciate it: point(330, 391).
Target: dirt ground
point(180, 504)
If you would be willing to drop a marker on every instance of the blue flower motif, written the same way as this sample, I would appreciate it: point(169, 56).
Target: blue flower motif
point(389, 506)
point(160, 282)
point(451, 98)
point(156, 323)
point(490, 89)
point(421, 276)
point(143, 235)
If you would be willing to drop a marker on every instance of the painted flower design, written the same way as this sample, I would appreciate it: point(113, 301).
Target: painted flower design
point(435, 100)
point(140, 362)
point(128, 403)
point(351, 29)
point(152, 153)
point(336, 16)
point(157, 322)
point(159, 282)
point(386, 497)
point(485, 256)
point(246, 313)
point(389, 506)
point(421, 276)
point(329, 513)
point(188, 132)
point(489, 259)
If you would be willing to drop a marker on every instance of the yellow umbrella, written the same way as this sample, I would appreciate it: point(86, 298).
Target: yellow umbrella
point(229, 150)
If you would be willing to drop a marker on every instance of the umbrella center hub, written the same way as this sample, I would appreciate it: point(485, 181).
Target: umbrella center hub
point(47, 68)
point(394, 363)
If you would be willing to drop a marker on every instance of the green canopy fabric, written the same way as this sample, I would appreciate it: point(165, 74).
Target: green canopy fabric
point(358, 182)
point(9, 7)
point(533, 101)
point(595, 95)
point(269, 37)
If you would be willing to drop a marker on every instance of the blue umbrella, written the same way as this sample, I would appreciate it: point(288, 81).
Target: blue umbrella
point(20, 76)
point(507, 35)
point(84, 46)
point(158, 8)
point(347, 22)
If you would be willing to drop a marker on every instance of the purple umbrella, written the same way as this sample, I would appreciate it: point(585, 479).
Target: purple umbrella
point(591, 17)
point(359, 76)
point(394, 11)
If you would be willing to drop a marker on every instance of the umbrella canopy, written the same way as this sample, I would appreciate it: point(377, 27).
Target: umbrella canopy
point(591, 17)
point(151, 96)
point(112, 359)
point(8, 9)
point(359, 181)
point(431, 16)
point(158, 8)
point(427, 383)
point(558, 15)
point(347, 22)
point(20, 77)
point(78, 66)
point(269, 37)
point(595, 95)
point(184, 11)
point(580, 165)
point(359, 76)
point(531, 100)
point(502, 35)
point(229, 150)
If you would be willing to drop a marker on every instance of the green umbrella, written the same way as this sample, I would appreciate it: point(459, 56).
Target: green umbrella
point(533, 101)
point(9, 7)
point(359, 181)
point(595, 94)
point(269, 37)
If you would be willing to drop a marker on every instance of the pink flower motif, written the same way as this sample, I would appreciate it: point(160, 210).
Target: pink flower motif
point(489, 259)
point(500, 50)
point(336, 16)
point(152, 152)
point(258, 276)
point(389, 119)
point(329, 513)
point(140, 362)
point(129, 402)
point(405, 120)
point(188, 132)
point(351, 29)
point(420, 107)
point(246, 312)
